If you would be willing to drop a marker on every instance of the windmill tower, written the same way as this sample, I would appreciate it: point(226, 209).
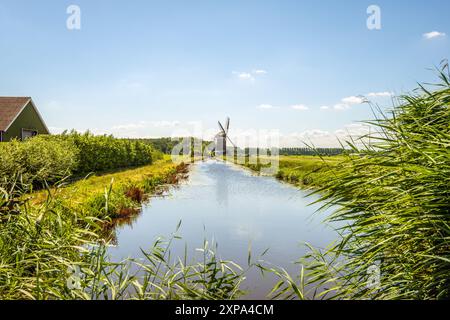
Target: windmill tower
point(221, 139)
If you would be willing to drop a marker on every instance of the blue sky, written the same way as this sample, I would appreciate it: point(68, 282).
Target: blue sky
point(149, 68)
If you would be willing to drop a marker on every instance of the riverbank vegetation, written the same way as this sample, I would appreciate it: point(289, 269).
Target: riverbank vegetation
point(194, 147)
point(53, 242)
point(308, 151)
point(115, 195)
point(52, 252)
point(303, 171)
point(47, 159)
point(393, 197)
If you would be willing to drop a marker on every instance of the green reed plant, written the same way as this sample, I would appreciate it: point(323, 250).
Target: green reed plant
point(49, 251)
point(168, 277)
point(392, 197)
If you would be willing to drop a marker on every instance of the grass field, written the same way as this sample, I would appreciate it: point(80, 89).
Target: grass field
point(307, 171)
point(96, 183)
point(115, 194)
point(304, 171)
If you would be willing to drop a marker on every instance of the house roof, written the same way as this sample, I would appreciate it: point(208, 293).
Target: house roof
point(11, 107)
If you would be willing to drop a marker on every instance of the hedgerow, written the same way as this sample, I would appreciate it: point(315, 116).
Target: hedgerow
point(49, 158)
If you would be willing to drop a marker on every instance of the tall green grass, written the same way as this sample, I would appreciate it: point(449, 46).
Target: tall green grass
point(393, 198)
point(52, 252)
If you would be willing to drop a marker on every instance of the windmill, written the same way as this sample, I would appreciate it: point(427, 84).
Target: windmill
point(221, 139)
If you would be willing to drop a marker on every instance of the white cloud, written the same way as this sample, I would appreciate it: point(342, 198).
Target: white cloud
point(249, 76)
point(246, 76)
point(352, 100)
point(300, 107)
point(142, 129)
point(359, 129)
point(327, 139)
point(265, 106)
point(380, 94)
point(165, 124)
point(259, 71)
point(130, 126)
point(433, 34)
point(347, 102)
point(316, 133)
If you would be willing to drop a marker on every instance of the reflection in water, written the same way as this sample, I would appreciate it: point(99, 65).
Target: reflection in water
point(221, 182)
point(109, 232)
point(236, 209)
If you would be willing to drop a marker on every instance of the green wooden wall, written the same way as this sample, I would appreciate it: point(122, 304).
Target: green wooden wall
point(28, 119)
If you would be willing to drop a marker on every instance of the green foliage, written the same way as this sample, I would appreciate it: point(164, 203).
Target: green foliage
point(109, 204)
point(164, 145)
point(310, 151)
point(37, 160)
point(393, 200)
point(305, 171)
point(102, 153)
point(47, 159)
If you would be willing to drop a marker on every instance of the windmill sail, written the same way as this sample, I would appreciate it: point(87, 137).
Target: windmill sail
point(227, 125)
point(231, 141)
point(221, 127)
point(222, 137)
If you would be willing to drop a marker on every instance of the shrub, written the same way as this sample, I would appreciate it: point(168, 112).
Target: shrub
point(52, 158)
point(37, 160)
point(101, 153)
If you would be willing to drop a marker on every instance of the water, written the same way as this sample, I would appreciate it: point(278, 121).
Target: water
point(229, 204)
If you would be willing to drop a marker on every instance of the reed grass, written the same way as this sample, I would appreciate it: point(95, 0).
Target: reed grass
point(49, 251)
point(393, 197)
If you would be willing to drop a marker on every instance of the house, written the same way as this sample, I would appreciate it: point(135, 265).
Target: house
point(20, 119)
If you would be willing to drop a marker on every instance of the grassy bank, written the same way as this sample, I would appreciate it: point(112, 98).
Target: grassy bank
point(303, 171)
point(117, 194)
